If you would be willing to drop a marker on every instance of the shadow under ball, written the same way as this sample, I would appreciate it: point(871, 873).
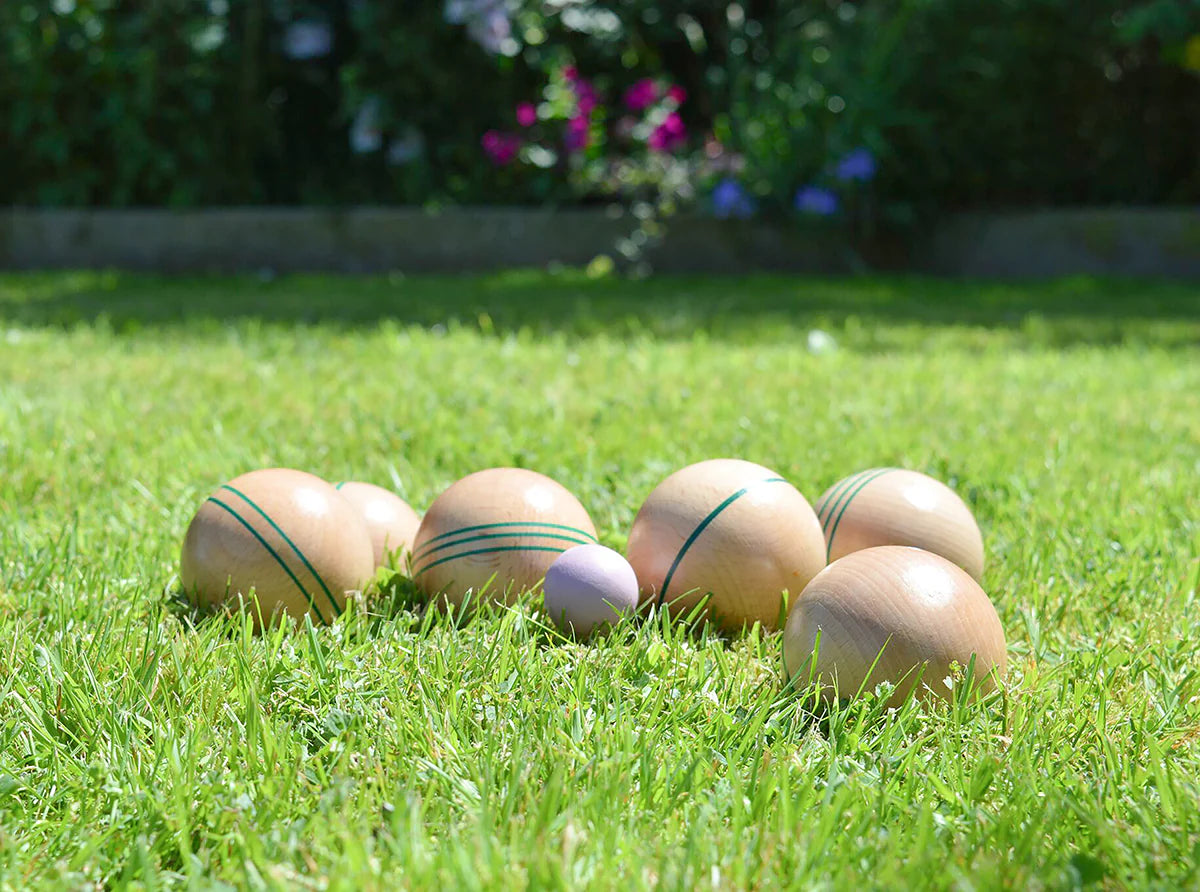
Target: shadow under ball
point(287, 536)
point(890, 506)
point(391, 522)
point(730, 529)
point(498, 529)
point(916, 607)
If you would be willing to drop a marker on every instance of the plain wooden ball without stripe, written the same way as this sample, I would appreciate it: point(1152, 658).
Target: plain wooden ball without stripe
point(285, 535)
point(498, 530)
point(890, 506)
point(909, 613)
point(729, 531)
point(390, 521)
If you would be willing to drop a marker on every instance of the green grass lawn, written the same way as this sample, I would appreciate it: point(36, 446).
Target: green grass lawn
point(394, 748)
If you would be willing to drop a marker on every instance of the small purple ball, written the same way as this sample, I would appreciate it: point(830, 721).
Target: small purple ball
point(589, 586)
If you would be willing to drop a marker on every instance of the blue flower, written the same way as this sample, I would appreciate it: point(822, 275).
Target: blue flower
point(816, 200)
point(307, 40)
point(730, 199)
point(856, 165)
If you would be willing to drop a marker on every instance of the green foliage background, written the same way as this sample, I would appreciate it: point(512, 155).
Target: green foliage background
point(194, 102)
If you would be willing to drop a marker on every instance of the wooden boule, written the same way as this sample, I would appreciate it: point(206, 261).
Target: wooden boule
point(912, 614)
point(390, 520)
point(284, 536)
point(731, 534)
point(891, 506)
point(494, 533)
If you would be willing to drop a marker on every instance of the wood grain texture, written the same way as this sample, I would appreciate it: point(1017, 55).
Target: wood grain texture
point(729, 531)
point(391, 522)
point(890, 506)
point(286, 536)
point(498, 529)
point(912, 609)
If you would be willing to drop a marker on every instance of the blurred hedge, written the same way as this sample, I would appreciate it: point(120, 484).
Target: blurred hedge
point(966, 103)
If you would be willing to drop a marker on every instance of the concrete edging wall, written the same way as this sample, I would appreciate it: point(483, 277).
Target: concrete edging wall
point(1157, 242)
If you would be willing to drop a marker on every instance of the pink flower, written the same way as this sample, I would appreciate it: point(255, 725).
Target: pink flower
point(570, 73)
point(586, 97)
point(526, 114)
point(677, 94)
point(501, 148)
point(577, 135)
point(641, 95)
point(668, 136)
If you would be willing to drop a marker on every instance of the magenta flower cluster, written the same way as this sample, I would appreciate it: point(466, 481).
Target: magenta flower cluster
point(670, 133)
point(664, 130)
point(502, 148)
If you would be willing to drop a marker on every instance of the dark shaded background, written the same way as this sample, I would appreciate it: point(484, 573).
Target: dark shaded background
point(967, 104)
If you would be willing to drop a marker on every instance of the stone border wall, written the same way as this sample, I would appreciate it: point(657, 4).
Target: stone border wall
point(1139, 242)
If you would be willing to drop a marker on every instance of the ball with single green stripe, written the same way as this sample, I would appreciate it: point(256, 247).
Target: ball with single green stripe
point(494, 533)
point(891, 506)
point(282, 538)
point(730, 533)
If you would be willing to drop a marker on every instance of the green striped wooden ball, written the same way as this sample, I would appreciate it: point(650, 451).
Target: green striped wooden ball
point(891, 506)
point(494, 533)
point(731, 534)
point(280, 541)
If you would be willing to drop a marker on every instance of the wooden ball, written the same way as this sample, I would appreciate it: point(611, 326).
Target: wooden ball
point(390, 521)
point(498, 530)
point(889, 506)
point(730, 531)
point(916, 607)
point(284, 535)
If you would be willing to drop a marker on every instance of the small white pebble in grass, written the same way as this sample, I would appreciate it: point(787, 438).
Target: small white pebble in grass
point(820, 342)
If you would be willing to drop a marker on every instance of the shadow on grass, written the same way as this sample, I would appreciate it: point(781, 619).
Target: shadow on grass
point(1062, 311)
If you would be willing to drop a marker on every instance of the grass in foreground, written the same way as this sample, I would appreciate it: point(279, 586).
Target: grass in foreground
point(394, 748)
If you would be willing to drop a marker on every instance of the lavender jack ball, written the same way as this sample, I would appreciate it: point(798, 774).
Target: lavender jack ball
point(589, 586)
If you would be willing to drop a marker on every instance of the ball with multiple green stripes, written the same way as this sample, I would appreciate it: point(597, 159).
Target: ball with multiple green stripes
point(730, 534)
point(494, 533)
point(890, 506)
point(279, 541)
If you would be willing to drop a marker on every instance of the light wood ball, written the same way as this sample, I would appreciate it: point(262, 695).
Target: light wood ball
point(498, 530)
point(390, 521)
point(729, 531)
point(916, 607)
point(890, 506)
point(287, 536)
